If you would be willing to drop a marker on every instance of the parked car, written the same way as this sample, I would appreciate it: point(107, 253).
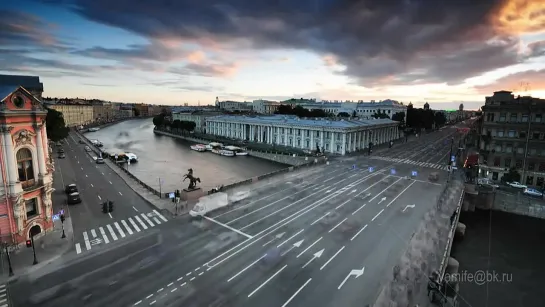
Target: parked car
point(532, 192)
point(87, 149)
point(100, 160)
point(62, 155)
point(73, 198)
point(487, 182)
point(517, 185)
point(60, 151)
point(71, 188)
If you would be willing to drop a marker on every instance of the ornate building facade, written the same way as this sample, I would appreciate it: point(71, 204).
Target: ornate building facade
point(26, 167)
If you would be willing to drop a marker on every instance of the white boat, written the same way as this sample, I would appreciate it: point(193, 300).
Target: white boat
point(199, 147)
point(223, 152)
point(237, 150)
point(214, 145)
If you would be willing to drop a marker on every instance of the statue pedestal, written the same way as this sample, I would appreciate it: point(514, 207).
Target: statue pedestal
point(192, 194)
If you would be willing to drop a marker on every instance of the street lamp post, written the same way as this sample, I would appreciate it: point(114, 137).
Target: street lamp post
point(9, 259)
point(33, 250)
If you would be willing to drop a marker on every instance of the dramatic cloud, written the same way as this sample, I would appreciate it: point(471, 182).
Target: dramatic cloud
point(534, 80)
point(377, 42)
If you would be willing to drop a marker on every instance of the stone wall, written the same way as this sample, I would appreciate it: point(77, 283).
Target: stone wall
point(519, 204)
point(280, 158)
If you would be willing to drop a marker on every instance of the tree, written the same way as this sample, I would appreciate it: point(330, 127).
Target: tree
point(176, 124)
point(136, 112)
point(512, 175)
point(399, 117)
point(299, 111)
point(159, 120)
point(55, 126)
point(439, 119)
point(343, 114)
point(380, 115)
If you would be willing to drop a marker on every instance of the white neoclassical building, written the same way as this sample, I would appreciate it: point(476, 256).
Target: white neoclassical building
point(332, 136)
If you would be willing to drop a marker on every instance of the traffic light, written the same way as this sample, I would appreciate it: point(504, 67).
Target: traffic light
point(62, 218)
point(105, 207)
point(28, 243)
point(110, 206)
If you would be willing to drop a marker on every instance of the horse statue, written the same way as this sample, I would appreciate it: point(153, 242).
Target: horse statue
point(192, 180)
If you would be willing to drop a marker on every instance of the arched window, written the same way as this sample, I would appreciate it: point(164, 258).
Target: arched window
point(24, 165)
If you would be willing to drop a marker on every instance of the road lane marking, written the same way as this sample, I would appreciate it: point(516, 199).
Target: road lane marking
point(228, 227)
point(180, 278)
point(183, 284)
point(361, 207)
point(201, 273)
point(344, 202)
point(135, 208)
point(296, 292)
point(103, 233)
point(160, 289)
point(86, 239)
point(92, 186)
point(337, 225)
point(112, 233)
point(110, 182)
point(129, 230)
point(147, 220)
point(333, 257)
point(156, 220)
point(99, 197)
point(246, 268)
point(158, 214)
point(121, 232)
point(120, 193)
point(81, 168)
point(93, 233)
point(388, 205)
point(147, 297)
point(102, 174)
point(197, 269)
point(170, 284)
point(375, 217)
point(311, 245)
point(319, 219)
point(152, 303)
point(137, 303)
point(386, 189)
point(78, 248)
point(192, 278)
point(359, 231)
point(110, 215)
point(86, 176)
point(290, 238)
point(134, 225)
point(173, 290)
point(266, 281)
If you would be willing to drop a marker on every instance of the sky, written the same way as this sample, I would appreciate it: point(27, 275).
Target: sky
point(191, 51)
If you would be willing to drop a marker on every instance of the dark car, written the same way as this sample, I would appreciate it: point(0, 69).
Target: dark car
point(71, 188)
point(73, 198)
point(60, 151)
point(81, 141)
point(62, 155)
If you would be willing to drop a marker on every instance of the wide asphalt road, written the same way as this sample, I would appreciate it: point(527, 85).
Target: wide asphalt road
point(328, 237)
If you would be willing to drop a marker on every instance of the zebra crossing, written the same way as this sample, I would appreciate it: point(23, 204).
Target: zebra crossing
point(3, 296)
point(408, 161)
point(119, 230)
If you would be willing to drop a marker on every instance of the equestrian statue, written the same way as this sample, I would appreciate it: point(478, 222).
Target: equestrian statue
point(192, 180)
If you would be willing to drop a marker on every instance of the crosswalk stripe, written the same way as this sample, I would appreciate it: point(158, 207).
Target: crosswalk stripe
point(129, 230)
point(156, 220)
point(134, 225)
point(112, 233)
point(160, 215)
point(147, 220)
point(103, 233)
point(78, 248)
point(119, 229)
point(93, 233)
point(140, 221)
point(86, 239)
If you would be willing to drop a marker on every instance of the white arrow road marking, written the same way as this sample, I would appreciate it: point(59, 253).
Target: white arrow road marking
point(392, 201)
point(356, 273)
point(408, 206)
point(314, 257)
point(311, 245)
point(353, 191)
point(278, 236)
point(383, 199)
point(290, 238)
point(296, 244)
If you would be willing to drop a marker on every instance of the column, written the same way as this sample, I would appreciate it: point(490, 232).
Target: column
point(322, 141)
point(312, 144)
point(332, 147)
point(344, 145)
point(10, 156)
point(40, 151)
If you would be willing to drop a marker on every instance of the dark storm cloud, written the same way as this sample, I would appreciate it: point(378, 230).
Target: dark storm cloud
point(382, 41)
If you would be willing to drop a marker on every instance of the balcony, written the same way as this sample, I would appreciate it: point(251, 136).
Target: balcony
point(31, 185)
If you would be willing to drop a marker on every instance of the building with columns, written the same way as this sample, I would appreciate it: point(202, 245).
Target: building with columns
point(26, 181)
point(331, 136)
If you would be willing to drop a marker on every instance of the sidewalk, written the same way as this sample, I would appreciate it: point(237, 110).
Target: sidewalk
point(49, 248)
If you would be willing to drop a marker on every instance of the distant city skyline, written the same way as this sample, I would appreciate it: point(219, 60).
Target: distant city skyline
point(188, 51)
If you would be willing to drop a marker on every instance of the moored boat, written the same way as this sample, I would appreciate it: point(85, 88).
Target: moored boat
point(237, 150)
point(223, 152)
point(198, 147)
point(214, 145)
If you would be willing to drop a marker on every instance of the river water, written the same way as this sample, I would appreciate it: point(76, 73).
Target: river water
point(166, 159)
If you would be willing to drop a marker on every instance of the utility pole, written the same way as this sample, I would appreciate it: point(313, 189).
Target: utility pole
point(522, 180)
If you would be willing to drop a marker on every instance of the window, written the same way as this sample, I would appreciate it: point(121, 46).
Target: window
point(500, 133)
point(518, 164)
point(542, 167)
point(507, 162)
point(502, 117)
point(540, 181)
point(31, 207)
point(522, 135)
point(509, 149)
point(531, 166)
point(538, 118)
point(529, 180)
point(513, 117)
point(525, 118)
point(497, 148)
point(533, 151)
point(512, 133)
point(520, 150)
point(496, 161)
point(535, 135)
point(24, 165)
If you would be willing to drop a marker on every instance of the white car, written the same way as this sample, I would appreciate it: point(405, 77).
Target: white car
point(532, 192)
point(487, 182)
point(517, 185)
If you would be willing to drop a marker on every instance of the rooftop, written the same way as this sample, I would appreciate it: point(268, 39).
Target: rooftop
point(28, 82)
point(310, 122)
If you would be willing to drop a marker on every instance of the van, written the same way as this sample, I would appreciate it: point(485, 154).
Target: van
point(208, 204)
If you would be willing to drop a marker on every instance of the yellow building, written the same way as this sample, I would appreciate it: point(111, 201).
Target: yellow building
point(75, 114)
point(103, 111)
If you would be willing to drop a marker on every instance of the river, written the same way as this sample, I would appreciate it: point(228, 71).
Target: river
point(166, 159)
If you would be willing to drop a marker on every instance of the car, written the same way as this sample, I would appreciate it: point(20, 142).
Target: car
point(62, 155)
point(533, 192)
point(87, 149)
point(73, 198)
point(60, 151)
point(81, 141)
point(71, 188)
point(487, 183)
point(517, 185)
point(100, 160)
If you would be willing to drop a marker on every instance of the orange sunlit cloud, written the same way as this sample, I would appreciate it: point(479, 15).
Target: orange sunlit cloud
point(532, 80)
point(520, 16)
